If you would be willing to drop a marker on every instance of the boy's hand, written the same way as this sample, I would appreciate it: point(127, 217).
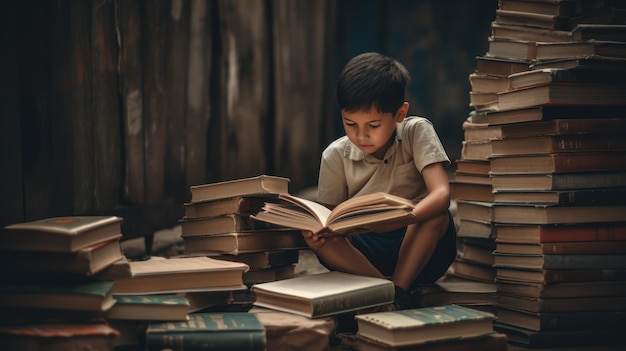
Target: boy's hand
point(313, 240)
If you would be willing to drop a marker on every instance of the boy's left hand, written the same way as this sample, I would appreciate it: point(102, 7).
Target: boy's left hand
point(313, 240)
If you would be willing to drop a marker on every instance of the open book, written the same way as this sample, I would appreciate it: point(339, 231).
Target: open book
point(367, 213)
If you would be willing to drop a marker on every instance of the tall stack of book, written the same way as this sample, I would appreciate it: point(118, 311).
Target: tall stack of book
point(471, 278)
point(217, 222)
point(49, 295)
point(558, 173)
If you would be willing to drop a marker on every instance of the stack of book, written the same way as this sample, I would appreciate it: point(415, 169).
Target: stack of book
point(471, 279)
point(168, 290)
point(49, 295)
point(557, 169)
point(218, 223)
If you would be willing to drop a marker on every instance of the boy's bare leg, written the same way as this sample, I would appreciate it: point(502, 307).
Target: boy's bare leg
point(417, 248)
point(339, 253)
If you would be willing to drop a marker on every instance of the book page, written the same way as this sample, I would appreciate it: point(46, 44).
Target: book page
point(319, 211)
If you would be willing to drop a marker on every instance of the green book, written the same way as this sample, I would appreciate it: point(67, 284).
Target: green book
point(157, 307)
point(89, 296)
point(424, 325)
point(240, 331)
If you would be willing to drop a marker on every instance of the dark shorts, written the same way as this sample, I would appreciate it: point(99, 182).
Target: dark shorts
point(382, 250)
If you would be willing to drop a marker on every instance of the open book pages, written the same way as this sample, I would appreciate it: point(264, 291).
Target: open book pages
point(372, 212)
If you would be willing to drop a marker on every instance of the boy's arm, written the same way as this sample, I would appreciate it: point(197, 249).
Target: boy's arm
point(438, 199)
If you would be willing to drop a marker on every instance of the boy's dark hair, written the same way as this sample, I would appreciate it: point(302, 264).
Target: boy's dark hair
point(372, 80)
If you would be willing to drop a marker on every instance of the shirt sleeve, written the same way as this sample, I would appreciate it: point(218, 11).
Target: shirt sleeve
point(424, 143)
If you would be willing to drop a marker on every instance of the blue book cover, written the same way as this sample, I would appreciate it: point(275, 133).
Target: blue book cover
point(224, 331)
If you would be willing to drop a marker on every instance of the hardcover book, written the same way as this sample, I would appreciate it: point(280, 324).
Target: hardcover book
point(265, 259)
point(562, 304)
point(87, 261)
point(548, 144)
point(237, 243)
point(559, 163)
point(533, 233)
point(562, 93)
point(174, 275)
point(221, 224)
point(60, 234)
point(168, 307)
point(423, 325)
point(261, 185)
point(553, 276)
point(606, 196)
point(562, 290)
point(565, 321)
point(324, 294)
point(237, 331)
point(558, 181)
point(553, 112)
point(58, 336)
point(353, 216)
point(240, 205)
point(556, 214)
point(609, 339)
point(83, 296)
point(492, 342)
point(561, 261)
point(573, 126)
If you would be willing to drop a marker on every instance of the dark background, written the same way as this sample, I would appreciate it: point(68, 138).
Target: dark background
point(117, 107)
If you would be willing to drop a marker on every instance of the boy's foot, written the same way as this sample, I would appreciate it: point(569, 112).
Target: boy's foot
point(402, 300)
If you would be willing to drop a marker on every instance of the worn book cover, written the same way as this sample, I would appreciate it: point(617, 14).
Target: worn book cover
point(557, 214)
point(58, 336)
point(84, 296)
point(559, 181)
point(221, 224)
point(241, 205)
point(87, 261)
point(553, 276)
point(252, 241)
point(260, 185)
point(424, 325)
point(149, 307)
point(534, 233)
point(173, 275)
point(560, 261)
point(237, 331)
point(559, 163)
point(60, 234)
point(324, 294)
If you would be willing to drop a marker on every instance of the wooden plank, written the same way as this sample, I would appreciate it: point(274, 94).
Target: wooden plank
point(198, 92)
point(47, 178)
point(155, 99)
point(107, 136)
point(129, 21)
point(11, 202)
point(244, 89)
point(177, 53)
point(300, 55)
point(82, 106)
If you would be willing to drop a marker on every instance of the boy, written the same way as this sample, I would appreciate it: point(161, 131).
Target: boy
point(384, 150)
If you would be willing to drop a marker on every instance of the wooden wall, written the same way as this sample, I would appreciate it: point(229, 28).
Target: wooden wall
point(118, 106)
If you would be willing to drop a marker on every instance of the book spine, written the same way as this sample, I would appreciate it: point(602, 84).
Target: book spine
point(566, 162)
point(564, 234)
point(373, 296)
point(201, 341)
point(575, 261)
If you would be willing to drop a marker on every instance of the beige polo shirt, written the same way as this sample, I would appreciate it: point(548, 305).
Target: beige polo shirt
point(346, 171)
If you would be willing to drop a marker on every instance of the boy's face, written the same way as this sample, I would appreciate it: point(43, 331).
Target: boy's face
point(372, 131)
